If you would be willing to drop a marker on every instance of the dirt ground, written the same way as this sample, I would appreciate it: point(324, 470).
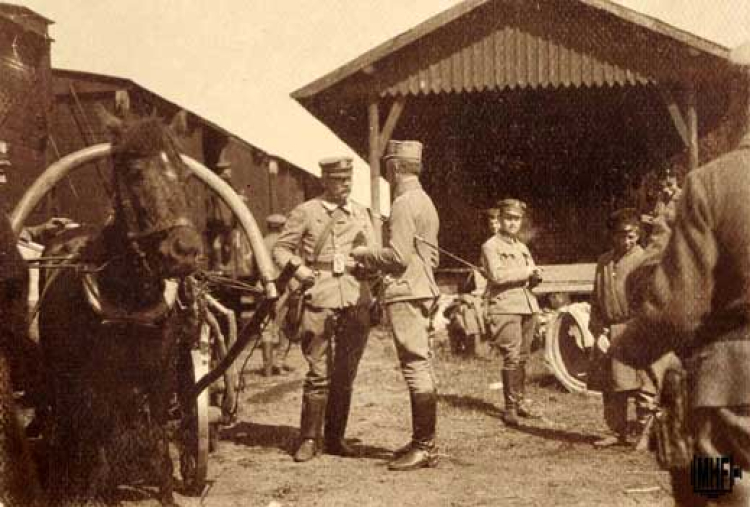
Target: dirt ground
point(548, 462)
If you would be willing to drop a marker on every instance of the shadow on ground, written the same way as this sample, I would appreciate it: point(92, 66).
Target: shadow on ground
point(251, 434)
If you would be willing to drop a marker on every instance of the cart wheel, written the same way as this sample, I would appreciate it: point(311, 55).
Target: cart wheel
point(567, 346)
point(194, 432)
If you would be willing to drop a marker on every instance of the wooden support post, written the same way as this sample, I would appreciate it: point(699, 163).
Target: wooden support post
point(692, 125)
point(373, 116)
point(390, 123)
point(674, 112)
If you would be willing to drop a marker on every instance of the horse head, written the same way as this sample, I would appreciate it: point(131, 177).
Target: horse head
point(151, 208)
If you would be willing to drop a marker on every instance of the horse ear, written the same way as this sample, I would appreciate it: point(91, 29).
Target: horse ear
point(179, 124)
point(110, 121)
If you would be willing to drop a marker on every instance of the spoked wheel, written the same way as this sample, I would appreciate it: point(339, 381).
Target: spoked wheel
point(193, 436)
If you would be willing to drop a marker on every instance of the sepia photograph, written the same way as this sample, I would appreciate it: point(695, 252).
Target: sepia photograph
point(452, 253)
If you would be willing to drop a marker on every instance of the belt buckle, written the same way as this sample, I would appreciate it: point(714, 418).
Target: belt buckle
point(339, 264)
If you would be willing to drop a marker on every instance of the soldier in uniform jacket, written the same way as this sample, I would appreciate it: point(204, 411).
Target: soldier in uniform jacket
point(511, 307)
point(410, 295)
point(335, 322)
point(698, 305)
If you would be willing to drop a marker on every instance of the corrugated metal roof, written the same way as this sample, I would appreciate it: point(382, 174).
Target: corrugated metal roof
point(508, 57)
point(496, 44)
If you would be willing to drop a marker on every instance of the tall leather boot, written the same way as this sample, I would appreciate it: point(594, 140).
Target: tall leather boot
point(311, 427)
point(423, 452)
point(510, 392)
point(524, 409)
point(337, 416)
point(267, 359)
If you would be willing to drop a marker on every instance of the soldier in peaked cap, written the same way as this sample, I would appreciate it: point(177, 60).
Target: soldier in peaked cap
point(610, 312)
point(335, 322)
point(511, 306)
point(410, 294)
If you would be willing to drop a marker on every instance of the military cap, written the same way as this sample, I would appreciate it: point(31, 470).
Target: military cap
point(741, 55)
point(512, 206)
point(336, 166)
point(625, 219)
point(275, 220)
point(409, 150)
point(491, 212)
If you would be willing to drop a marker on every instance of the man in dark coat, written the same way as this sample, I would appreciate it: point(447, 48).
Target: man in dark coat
point(698, 305)
point(610, 312)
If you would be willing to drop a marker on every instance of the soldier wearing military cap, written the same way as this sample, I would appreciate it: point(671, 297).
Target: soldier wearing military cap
point(410, 294)
point(273, 339)
point(335, 323)
point(611, 310)
point(511, 306)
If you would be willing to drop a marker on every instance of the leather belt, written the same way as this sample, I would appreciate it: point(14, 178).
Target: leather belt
point(328, 266)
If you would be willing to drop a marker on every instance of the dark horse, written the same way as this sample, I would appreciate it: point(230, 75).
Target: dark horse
point(113, 331)
point(18, 485)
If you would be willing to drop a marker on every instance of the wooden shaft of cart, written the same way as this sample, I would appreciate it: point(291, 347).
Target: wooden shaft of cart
point(253, 328)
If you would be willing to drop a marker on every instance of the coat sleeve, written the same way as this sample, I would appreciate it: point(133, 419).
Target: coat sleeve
point(498, 270)
point(679, 298)
point(288, 243)
point(395, 258)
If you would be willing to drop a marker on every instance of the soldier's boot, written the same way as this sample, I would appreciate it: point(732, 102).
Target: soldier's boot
point(311, 427)
point(337, 416)
point(524, 405)
point(423, 451)
point(510, 393)
point(267, 359)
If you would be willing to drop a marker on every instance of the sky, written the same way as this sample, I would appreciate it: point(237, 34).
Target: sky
point(235, 62)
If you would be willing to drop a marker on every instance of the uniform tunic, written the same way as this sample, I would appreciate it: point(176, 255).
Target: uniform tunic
point(410, 289)
point(699, 306)
point(337, 306)
point(511, 307)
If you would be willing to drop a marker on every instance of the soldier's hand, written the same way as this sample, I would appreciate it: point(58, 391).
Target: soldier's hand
point(305, 275)
point(536, 273)
point(602, 343)
point(359, 252)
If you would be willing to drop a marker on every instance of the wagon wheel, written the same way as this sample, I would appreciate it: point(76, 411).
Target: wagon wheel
point(567, 345)
point(194, 432)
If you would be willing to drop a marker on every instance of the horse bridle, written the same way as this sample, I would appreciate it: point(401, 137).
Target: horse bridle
point(135, 239)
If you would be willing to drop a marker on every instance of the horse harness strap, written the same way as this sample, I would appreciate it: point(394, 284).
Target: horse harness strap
point(112, 314)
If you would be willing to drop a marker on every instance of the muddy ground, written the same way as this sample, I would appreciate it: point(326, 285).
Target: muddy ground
point(548, 462)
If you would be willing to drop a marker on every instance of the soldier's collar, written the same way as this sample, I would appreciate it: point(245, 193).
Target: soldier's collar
point(406, 186)
point(331, 206)
point(506, 238)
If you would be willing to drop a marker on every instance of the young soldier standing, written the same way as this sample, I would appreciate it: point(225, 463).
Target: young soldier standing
point(610, 312)
point(335, 322)
point(511, 306)
point(410, 294)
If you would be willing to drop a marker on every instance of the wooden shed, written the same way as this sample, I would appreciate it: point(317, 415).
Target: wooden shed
point(566, 104)
point(271, 184)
